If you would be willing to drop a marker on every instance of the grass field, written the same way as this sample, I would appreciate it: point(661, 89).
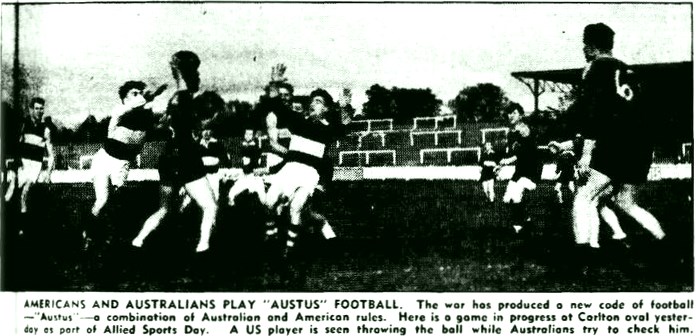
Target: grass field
point(392, 236)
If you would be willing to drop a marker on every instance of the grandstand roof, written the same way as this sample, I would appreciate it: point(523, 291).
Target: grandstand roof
point(573, 76)
point(564, 80)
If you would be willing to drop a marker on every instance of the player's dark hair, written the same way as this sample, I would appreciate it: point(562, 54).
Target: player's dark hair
point(130, 85)
point(37, 100)
point(600, 36)
point(328, 100)
point(512, 107)
point(287, 86)
point(185, 61)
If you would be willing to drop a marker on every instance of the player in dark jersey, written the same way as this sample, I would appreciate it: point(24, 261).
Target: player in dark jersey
point(181, 164)
point(488, 163)
point(299, 177)
point(612, 161)
point(523, 152)
point(565, 170)
point(35, 145)
point(619, 158)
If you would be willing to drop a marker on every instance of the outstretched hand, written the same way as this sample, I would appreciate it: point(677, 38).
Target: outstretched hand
point(278, 73)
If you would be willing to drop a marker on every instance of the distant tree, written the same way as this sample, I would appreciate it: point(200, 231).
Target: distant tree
point(89, 130)
point(402, 104)
point(482, 102)
point(379, 102)
point(411, 103)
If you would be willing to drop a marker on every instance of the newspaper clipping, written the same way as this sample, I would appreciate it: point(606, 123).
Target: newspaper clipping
point(266, 168)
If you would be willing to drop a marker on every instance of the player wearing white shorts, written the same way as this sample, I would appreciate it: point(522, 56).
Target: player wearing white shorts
point(128, 127)
point(35, 145)
point(298, 179)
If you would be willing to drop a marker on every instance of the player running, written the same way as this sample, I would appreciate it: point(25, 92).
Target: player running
point(607, 104)
point(522, 152)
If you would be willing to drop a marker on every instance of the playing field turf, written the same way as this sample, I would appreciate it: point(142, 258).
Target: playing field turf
point(392, 236)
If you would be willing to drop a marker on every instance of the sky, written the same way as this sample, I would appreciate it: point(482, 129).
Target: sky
point(84, 52)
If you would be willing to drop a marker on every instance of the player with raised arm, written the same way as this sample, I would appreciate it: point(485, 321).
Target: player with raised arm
point(181, 164)
point(128, 127)
point(298, 179)
point(35, 146)
point(522, 152)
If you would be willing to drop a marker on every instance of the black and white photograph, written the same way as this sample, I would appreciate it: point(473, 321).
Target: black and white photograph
point(187, 147)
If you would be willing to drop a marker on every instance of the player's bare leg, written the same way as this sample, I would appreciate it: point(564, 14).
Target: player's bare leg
point(202, 193)
point(297, 206)
point(24, 196)
point(559, 191)
point(609, 216)
point(166, 199)
point(584, 212)
point(626, 203)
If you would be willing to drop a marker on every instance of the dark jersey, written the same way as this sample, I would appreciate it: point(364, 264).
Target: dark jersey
point(488, 162)
point(182, 120)
point(565, 166)
point(33, 145)
point(605, 102)
point(181, 161)
point(528, 163)
point(138, 119)
point(251, 154)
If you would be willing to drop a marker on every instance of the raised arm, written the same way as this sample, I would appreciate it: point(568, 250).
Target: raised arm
point(272, 130)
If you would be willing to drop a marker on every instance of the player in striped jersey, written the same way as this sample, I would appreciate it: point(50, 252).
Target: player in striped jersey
point(128, 127)
point(35, 145)
point(249, 181)
point(299, 177)
point(214, 157)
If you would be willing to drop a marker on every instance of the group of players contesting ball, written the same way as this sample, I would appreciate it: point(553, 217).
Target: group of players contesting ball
point(609, 165)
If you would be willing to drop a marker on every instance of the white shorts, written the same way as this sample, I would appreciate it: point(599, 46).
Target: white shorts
point(294, 176)
point(105, 164)
point(29, 171)
point(251, 183)
point(515, 190)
